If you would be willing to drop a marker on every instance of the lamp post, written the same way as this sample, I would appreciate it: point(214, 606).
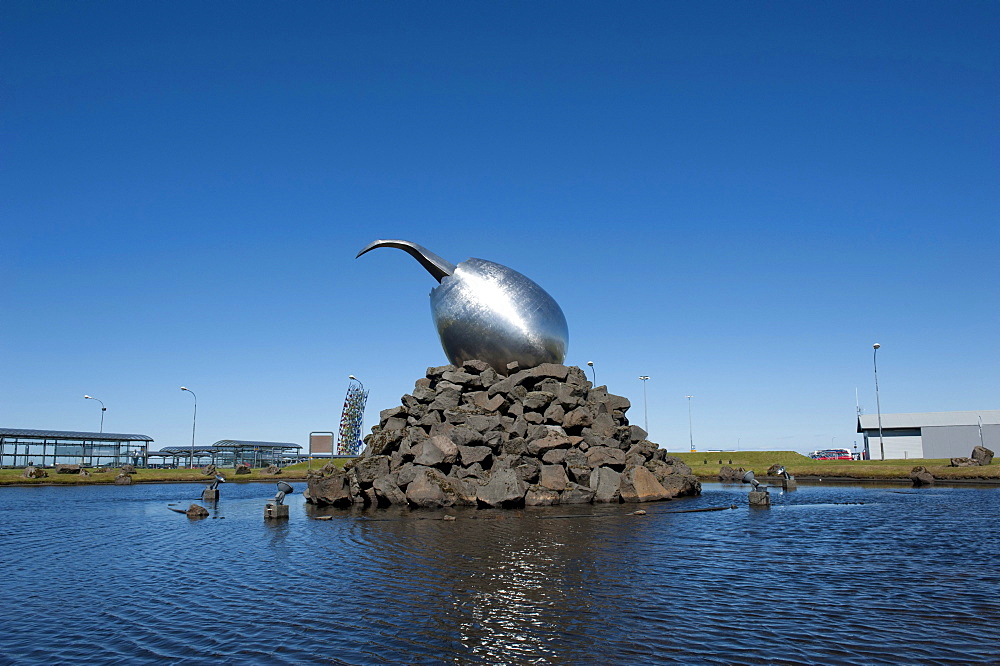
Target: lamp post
point(591, 364)
point(103, 408)
point(357, 380)
point(878, 406)
point(194, 423)
point(690, 428)
point(645, 413)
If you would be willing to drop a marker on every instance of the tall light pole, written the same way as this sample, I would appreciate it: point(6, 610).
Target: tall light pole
point(103, 408)
point(690, 428)
point(591, 364)
point(194, 423)
point(357, 380)
point(878, 406)
point(645, 413)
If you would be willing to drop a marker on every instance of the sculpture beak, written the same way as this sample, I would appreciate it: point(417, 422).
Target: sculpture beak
point(435, 265)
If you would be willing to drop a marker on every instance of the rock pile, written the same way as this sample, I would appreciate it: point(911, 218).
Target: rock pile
point(539, 436)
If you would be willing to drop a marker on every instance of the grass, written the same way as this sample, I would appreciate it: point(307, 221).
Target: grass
point(297, 471)
point(706, 465)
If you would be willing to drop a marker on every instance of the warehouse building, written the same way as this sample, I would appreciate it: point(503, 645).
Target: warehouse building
point(930, 434)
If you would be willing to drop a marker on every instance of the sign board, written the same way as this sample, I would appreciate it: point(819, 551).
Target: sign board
point(320, 442)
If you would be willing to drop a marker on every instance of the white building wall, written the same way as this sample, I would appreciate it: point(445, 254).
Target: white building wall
point(897, 447)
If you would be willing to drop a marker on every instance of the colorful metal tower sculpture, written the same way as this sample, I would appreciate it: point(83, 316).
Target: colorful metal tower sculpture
point(352, 419)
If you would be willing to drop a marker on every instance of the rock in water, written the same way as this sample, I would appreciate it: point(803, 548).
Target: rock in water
point(539, 436)
point(196, 511)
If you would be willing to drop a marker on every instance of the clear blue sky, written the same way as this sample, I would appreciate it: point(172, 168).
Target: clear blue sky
point(735, 198)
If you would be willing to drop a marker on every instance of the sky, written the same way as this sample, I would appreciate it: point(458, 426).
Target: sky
point(736, 199)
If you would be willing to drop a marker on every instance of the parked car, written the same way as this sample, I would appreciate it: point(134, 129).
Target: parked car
point(831, 454)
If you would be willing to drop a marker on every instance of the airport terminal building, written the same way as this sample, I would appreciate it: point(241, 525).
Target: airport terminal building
point(930, 434)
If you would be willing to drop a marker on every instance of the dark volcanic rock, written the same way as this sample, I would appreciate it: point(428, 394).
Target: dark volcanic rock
point(982, 455)
point(731, 475)
point(504, 488)
point(196, 511)
point(921, 477)
point(639, 485)
point(333, 490)
point(537, 437)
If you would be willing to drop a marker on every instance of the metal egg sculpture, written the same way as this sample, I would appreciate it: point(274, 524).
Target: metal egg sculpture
point(487, 311)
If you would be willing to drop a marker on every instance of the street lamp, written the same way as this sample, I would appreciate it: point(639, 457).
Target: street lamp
point(591, 364)
point(690, 428)
point(103, 408)
point(194, 423)
point(357, 380)
point(645, 413)
point(878, 407)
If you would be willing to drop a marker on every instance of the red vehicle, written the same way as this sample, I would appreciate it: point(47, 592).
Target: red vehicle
point(831, 454)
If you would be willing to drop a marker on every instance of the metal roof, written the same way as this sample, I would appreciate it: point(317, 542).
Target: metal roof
point(927, 419)
point(226, 444)
point(264, 445)
point(72, 434)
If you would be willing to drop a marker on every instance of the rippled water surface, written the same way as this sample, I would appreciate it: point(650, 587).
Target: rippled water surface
point(845, 574)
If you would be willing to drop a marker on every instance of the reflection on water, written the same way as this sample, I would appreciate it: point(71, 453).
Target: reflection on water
point(845, 574)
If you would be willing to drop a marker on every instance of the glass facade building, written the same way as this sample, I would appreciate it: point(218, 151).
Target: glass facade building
point(46, 448)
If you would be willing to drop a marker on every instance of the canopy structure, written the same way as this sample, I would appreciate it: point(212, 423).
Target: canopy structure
point(20, 448)
point(231, 452)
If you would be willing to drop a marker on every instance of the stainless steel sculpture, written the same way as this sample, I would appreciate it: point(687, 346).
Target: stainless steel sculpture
point(486, 311)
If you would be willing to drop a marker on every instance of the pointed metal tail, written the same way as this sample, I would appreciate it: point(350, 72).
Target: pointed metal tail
point(435, 265)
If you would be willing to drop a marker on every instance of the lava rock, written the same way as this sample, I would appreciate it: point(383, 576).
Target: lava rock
point(731, 475)
point(196, 511)
point(921, 477)
point(536, 437)
point(982, 455)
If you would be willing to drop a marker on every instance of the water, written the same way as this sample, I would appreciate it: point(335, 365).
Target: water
point(844, 574)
